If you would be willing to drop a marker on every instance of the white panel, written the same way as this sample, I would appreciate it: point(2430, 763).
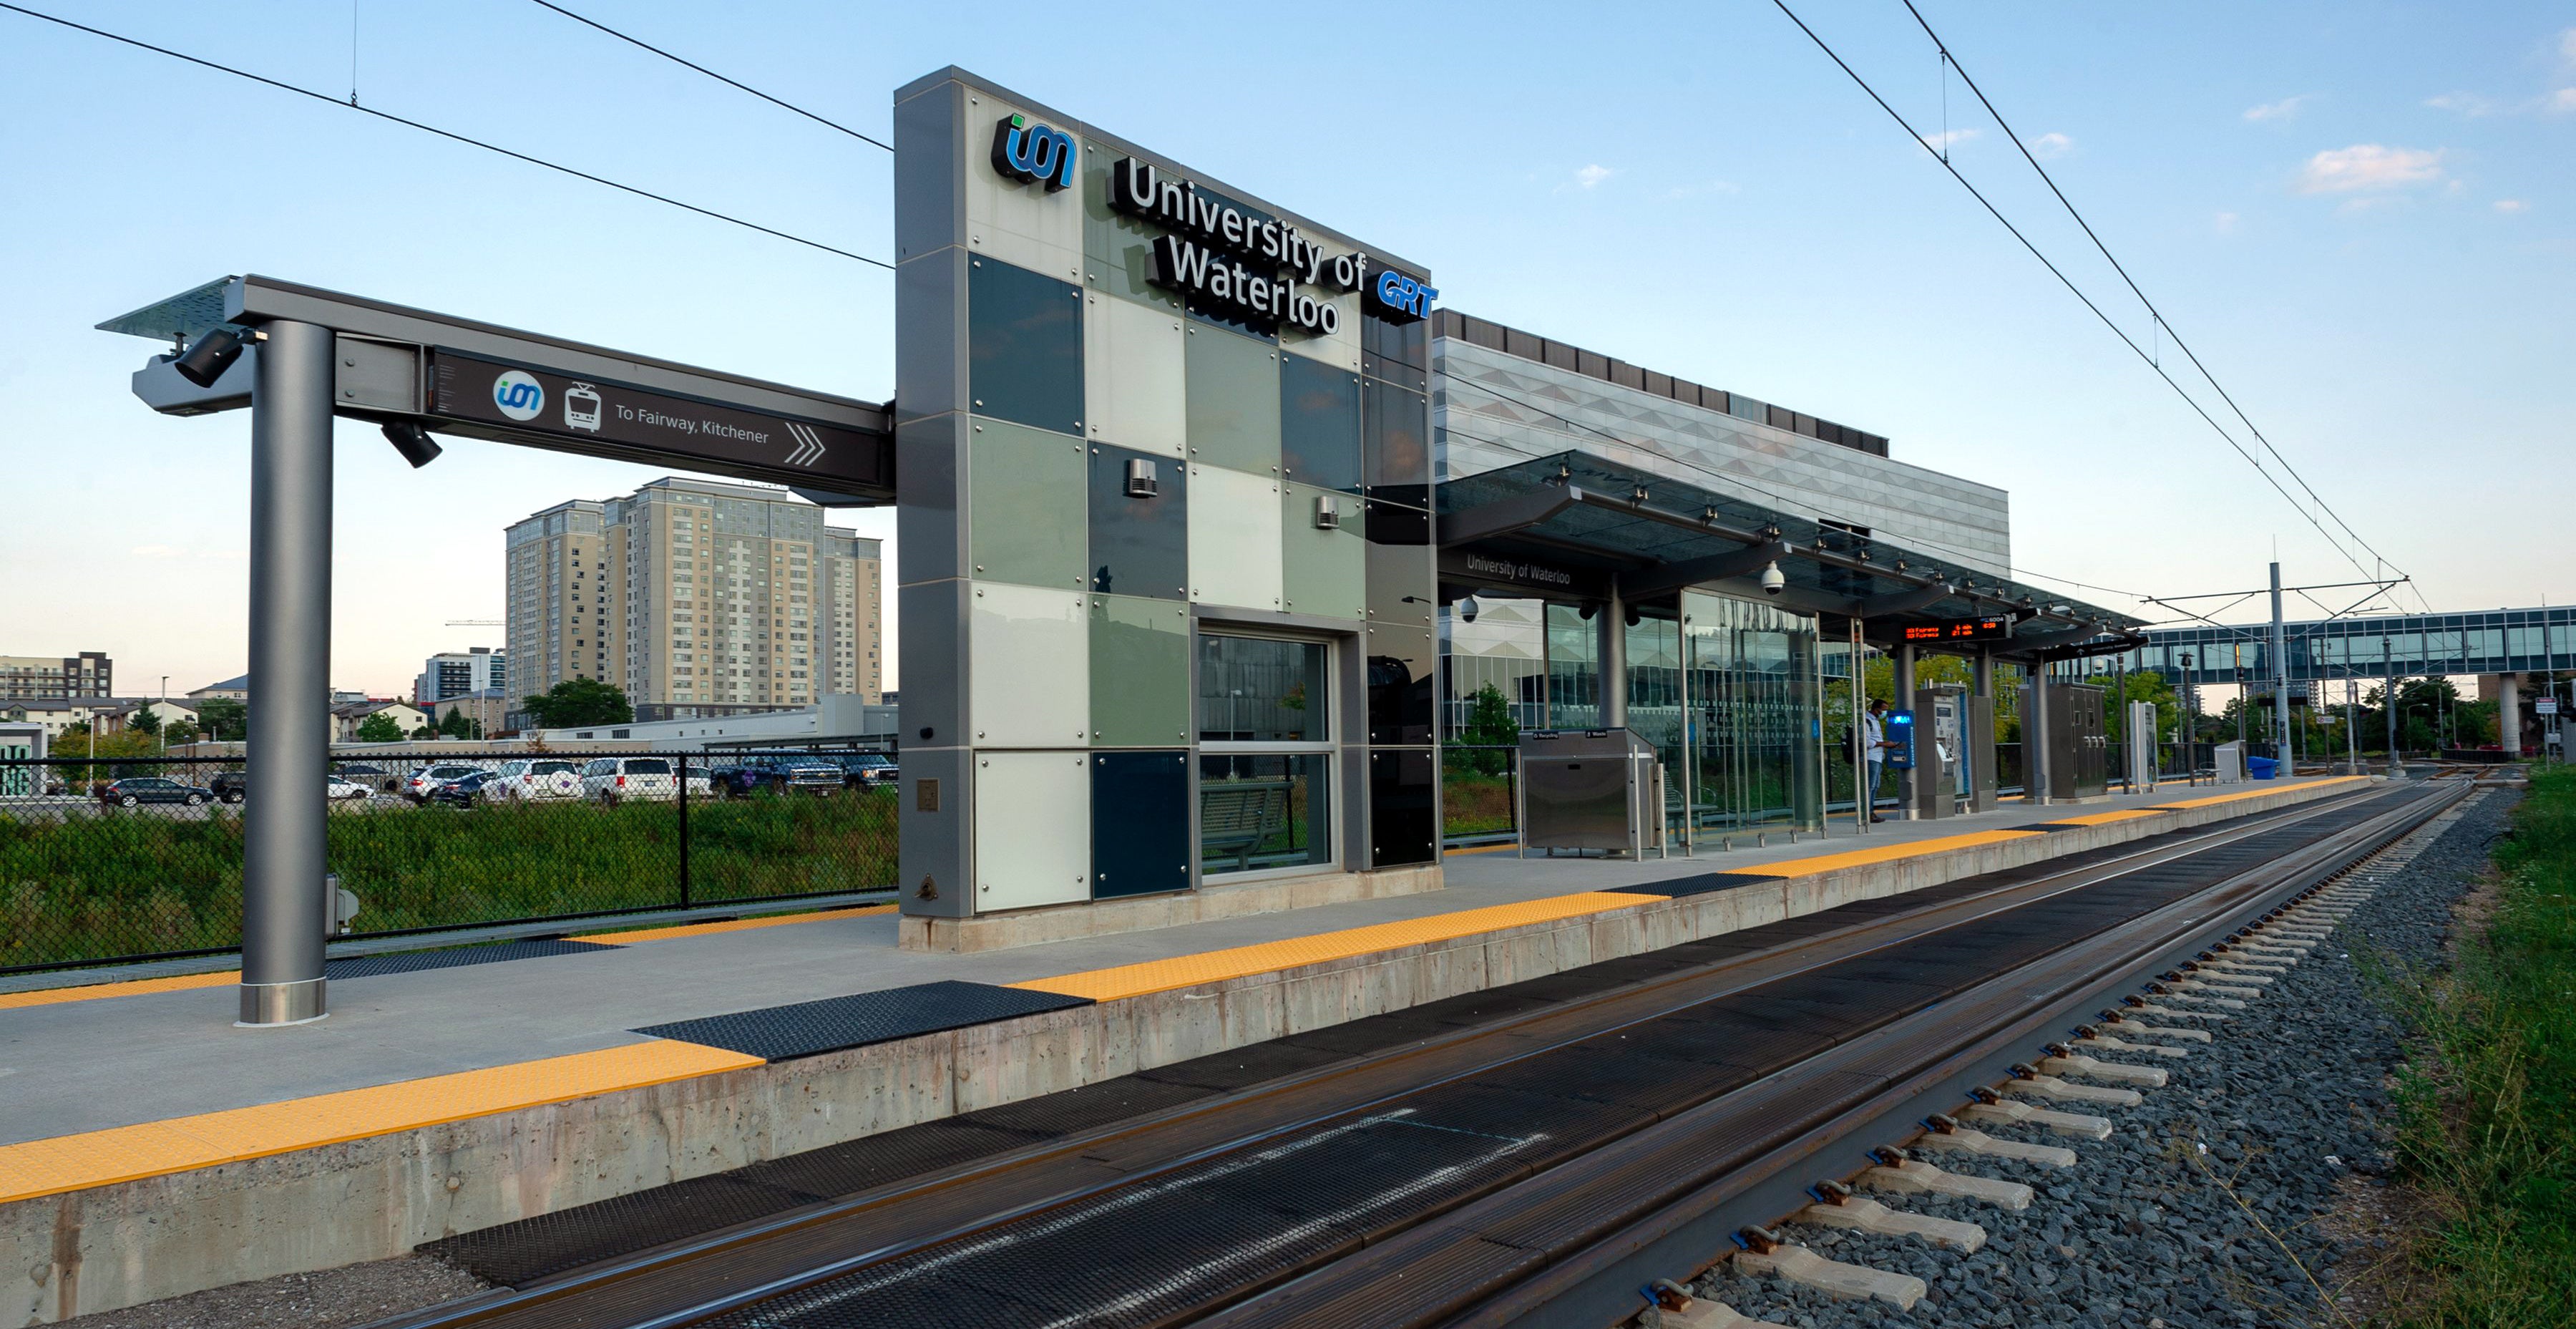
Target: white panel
point(1342, 348)
point(1028, 667)
point(1235, 549)
point(1133, 372)
point(1012, 221)
point(1032, 829)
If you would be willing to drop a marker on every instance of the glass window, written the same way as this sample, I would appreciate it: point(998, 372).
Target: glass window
point(1319, 423)
point(1262, 690)
point(1398, 444)
point(1260, 811)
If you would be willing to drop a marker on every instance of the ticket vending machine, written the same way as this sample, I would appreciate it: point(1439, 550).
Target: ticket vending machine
point(1945, 780)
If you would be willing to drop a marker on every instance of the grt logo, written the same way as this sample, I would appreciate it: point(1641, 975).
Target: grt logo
point(1037, 154)
point(1404, 297)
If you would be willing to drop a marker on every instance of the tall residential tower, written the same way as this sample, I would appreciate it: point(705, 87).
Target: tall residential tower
point(695, 593)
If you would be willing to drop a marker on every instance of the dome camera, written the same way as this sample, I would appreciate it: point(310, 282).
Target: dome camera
point(1772, 581)
point(1467, 608)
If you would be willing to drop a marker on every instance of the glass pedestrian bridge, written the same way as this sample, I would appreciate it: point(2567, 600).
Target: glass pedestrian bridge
point(2495, 641)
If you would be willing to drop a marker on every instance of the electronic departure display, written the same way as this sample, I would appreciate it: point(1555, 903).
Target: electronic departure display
point(1960, 629)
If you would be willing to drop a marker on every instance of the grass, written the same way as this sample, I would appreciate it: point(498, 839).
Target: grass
point(1472, 803)
point(97, 887)
point(2487, 1127)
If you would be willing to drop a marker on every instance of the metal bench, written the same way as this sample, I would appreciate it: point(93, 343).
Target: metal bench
point(1238, 817)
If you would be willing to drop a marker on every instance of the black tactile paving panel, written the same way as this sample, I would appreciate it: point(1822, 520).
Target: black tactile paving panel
point(1680, 888)
point(527, 1252)
point(409, 962)
point(1243, 1066)
point(811, 1028)
point(1081, 1109)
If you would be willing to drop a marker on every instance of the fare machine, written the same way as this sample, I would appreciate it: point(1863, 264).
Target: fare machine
point(1954, 752)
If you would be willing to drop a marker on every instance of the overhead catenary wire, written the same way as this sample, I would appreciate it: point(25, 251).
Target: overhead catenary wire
point(2161, 323)
point(448, 134)
point(2067, 282)
point(780, 103)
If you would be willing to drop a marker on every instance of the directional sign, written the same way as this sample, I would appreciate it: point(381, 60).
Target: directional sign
point(617, 420)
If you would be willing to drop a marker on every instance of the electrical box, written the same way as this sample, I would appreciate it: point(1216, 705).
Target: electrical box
point(2078, 757)
point(1982, 779)
point(2229, 758)
point(1942, 782)
point(2141, 746)
point(1590, 789)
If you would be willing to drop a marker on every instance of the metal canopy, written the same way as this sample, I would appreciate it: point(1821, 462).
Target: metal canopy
point(1565, 524)
point(396, 363)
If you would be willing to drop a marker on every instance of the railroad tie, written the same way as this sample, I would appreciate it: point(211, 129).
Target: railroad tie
point(1846, 1210)
point(2233, 967)
point(2128, 1026)
point(1913, 1176)
point(1702, 1314)
point(2109, 1044)
point(1799, 1265)
point(2064, 1123)
point(2229, 994)
point(2049, 1086)
point(2142, 1006)
point(1966, 1140)
point(2198, 968)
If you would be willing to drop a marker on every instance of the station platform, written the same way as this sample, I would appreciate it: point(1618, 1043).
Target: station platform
point(149, 1148)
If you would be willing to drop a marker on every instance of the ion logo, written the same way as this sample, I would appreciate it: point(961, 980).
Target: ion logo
point(1038, 154)
point(518, 394)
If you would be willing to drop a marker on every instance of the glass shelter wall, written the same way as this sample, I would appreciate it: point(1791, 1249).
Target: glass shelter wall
point(1756, 747)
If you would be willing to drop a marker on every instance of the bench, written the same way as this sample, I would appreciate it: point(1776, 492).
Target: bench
point(1238, 817)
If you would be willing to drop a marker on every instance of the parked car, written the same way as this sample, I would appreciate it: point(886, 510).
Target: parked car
point(344, 788)
point(615, 779)
point(135, 789)
point(777, 775)
point(374, 777)
point(534, 778)
point(427, 779)
point(230, 786)
point(463, 792)
point(863, 770)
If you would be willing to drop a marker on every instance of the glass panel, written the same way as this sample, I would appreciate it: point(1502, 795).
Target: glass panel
point(1262, 690)
point(1024, 346)
point(1264, 810)
point(1319, 423)
point(1573, 669)
point(1139, 545)
point(1025, 518)
point(1756, 755)
point(1397, 449)
point(1655, 701)
point(1140, 672)
point(1233, 401)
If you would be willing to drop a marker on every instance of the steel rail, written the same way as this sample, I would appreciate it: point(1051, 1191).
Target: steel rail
point(1746, 1157)
point(1266, 1111)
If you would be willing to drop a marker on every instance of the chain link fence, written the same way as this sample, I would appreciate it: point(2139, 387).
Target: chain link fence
point(106, 861)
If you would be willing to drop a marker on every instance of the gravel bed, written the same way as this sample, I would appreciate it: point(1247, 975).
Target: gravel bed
point(329, 1299)
point(2144, 1232)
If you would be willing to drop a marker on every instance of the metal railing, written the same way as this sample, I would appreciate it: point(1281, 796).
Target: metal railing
point(109, 861)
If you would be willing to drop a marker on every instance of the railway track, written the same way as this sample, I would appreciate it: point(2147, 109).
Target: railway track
point(1528, 1154)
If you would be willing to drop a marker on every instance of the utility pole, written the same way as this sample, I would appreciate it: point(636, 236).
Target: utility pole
point(2388, 704)
point(2280, 672)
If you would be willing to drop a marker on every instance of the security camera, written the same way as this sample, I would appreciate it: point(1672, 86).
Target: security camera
point(1772, 581)
point(206, 361)
point(1467, 608)
point(413, 442)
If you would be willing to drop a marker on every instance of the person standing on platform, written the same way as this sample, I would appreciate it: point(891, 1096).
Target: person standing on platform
point(1873, 746)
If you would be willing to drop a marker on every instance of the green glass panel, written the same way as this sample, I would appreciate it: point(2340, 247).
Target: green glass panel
point(1327, 570)
point(1024, 345)
point(1028, 508)
point(1233, 397)
point(1115, 247)
point(1140, 672)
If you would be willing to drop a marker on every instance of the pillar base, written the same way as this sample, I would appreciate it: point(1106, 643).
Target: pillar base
point(264, 1004)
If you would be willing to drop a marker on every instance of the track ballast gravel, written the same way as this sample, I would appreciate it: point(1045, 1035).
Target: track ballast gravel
point(2190, 1214)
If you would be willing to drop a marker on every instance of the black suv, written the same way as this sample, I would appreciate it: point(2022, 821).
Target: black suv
point(777, 775)
point(230, 786)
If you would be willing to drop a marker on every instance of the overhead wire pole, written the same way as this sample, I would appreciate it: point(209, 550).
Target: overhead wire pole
point(2067, 282)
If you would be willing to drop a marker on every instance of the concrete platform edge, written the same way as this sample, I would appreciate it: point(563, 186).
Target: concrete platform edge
point(1036, 927)
point(114, 1246)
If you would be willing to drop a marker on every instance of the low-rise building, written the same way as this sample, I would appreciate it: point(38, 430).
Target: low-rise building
point(232, 689)
point(488, 708)
point(44, 677)
point(348, 717)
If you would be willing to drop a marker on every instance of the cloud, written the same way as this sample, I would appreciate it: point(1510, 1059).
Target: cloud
point(2051, 145)
point(2561, 101)
point(1942, 141)
point(1704, 188)
point(2285, 109)
point(1593, 175)
point(2225, 222)
point(2567, 47)
point(2369, 166)
point(2511, 205)
point(2464, 103)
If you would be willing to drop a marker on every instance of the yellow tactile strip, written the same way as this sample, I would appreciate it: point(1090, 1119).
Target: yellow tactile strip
point(2106, 818)
point(131, 988)
point(2270, 788)
point(1808, 867)
point(730, 925)
point(1182, 971)
point(158, 1148)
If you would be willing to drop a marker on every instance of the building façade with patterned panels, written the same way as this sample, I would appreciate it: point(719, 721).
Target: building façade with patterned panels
point(1168, 592)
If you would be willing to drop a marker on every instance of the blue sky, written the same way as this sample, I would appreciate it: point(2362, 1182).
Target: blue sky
point(2358, 214)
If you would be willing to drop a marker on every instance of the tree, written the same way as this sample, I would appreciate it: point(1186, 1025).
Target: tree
point(380, 728)
point(2141, 686)
point(457, 725)
point(580, 701)
point(226, 720)
point(143, 721)
point(178, 732)
point(1489, 727)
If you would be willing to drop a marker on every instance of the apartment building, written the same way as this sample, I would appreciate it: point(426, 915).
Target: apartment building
point(696, 593)
point(460, 673)
point(57, 677)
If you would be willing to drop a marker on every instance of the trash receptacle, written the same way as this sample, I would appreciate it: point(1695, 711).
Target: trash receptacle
point(2263, 768)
